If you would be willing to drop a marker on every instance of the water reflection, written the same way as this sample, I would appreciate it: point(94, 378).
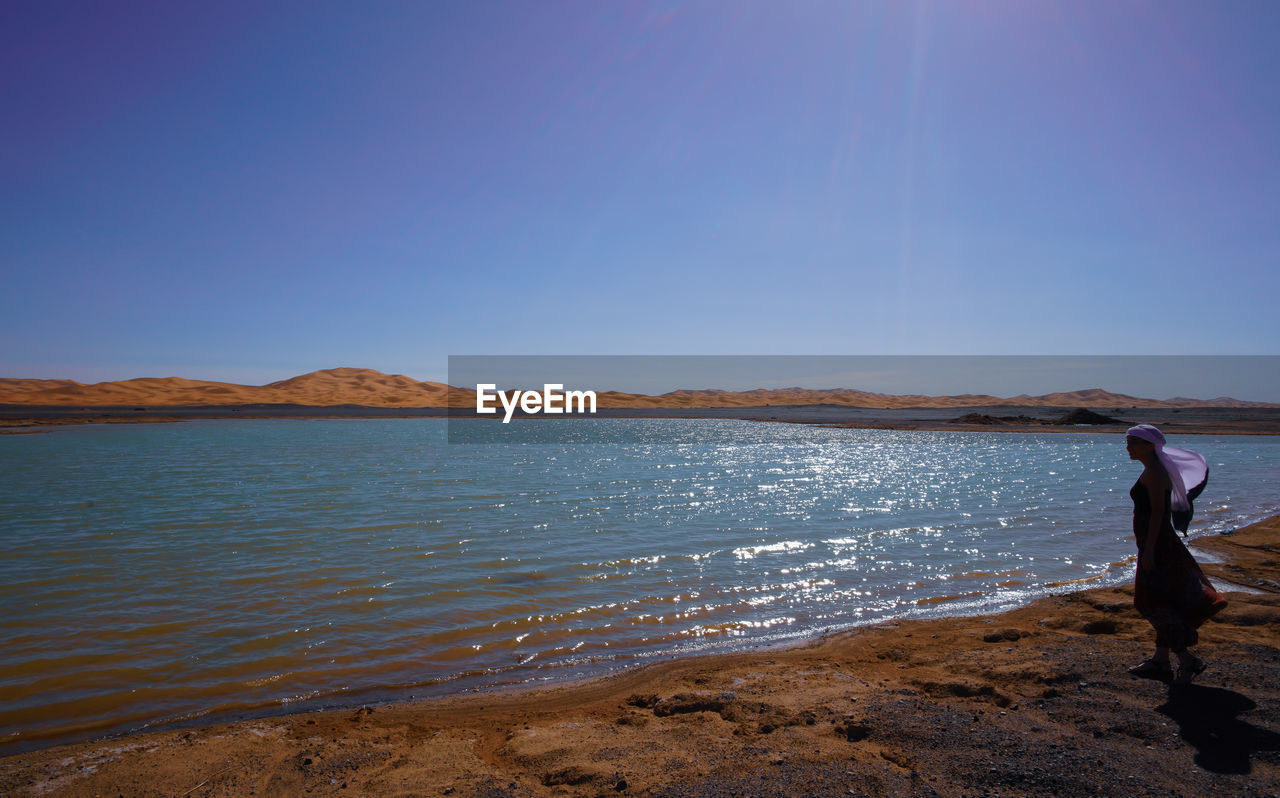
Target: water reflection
point(219, 564)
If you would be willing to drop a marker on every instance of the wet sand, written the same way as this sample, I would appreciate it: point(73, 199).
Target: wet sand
point(1034, 701)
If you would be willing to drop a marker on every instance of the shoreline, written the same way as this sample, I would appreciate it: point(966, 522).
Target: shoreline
point(29, 419)
point(1031, 700)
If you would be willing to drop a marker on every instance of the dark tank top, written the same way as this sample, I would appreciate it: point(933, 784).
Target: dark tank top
point(1142, 511)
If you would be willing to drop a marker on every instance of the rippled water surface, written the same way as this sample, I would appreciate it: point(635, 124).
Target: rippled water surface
point(160, 572)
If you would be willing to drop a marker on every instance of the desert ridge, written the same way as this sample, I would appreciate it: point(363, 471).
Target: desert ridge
point(760, 397)
point(371, 388)
point(325, 388)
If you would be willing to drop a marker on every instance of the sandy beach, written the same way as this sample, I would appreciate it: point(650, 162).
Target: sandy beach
point(1034, 701)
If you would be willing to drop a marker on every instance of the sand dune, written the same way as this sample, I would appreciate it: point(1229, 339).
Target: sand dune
point(1093, 397)
point(360, 387)
point(370, 388)
point(329, 387)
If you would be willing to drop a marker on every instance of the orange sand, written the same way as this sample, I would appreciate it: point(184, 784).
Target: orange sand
point(369, 388)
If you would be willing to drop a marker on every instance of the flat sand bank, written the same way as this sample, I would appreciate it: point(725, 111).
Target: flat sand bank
point(998, 418)
point(1035, 701)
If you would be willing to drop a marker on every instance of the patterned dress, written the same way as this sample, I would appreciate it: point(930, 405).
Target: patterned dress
point(1174, 596)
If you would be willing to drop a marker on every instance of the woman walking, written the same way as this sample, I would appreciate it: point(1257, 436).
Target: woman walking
point(1170, 591)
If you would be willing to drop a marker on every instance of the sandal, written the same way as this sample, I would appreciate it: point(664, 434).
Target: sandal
point(1151, 669)
point(1188, 672)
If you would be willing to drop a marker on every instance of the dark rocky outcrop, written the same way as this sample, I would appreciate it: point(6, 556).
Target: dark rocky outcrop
point(983, 418)
point(1084, 416)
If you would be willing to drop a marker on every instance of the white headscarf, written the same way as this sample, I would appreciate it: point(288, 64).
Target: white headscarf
point(1185, 467)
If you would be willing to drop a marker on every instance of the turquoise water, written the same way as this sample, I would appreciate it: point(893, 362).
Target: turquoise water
point(159, 572)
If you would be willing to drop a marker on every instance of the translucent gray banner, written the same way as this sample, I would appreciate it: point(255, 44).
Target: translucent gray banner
point(498, 397)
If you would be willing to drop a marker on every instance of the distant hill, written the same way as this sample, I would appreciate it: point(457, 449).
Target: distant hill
point(326, 388)
point(370, 388)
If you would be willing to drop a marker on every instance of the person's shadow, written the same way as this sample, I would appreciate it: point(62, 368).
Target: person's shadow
point(1207, 720)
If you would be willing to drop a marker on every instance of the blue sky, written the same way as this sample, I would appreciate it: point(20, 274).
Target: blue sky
point(249, 191)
